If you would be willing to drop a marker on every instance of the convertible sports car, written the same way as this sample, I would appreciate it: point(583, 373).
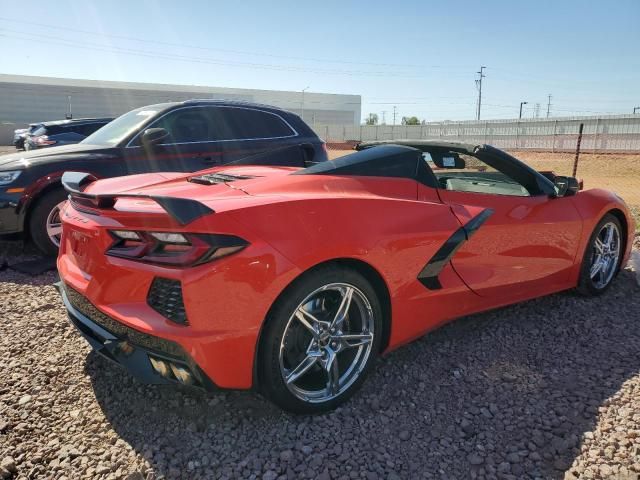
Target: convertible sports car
point(292, 279)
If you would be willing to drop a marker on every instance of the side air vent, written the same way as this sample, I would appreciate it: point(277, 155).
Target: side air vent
point(214, 178)
point(165, 297)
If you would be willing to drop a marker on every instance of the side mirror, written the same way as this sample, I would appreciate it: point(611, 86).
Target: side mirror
point(153, 136)
point(567, 186)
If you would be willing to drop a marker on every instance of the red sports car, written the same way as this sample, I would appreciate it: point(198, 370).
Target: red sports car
point(292, 279)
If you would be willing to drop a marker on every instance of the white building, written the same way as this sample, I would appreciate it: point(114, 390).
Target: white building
point(27, 99)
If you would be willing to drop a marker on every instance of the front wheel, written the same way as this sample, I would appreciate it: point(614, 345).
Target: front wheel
point(602, 257)
point(45, 226)
point(320, 340)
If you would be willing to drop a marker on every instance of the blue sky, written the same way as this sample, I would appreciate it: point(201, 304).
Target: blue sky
point(420, 56)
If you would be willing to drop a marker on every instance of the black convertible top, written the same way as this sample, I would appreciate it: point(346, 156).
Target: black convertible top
point(423, 145)
point(533, 181)
point(392, 160)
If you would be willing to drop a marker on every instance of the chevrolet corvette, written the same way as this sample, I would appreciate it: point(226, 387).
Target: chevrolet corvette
point(292, 278)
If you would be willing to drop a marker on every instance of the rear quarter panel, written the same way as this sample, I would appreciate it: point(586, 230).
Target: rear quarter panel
point(396, 237)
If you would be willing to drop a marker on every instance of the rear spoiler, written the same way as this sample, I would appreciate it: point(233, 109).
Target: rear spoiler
point(183, 210)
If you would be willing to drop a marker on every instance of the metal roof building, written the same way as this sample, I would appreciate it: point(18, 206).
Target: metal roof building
point(27, 99)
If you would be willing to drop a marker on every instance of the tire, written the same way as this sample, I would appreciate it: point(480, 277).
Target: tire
point(40, 215)
point(609, 258)
point(331, 367)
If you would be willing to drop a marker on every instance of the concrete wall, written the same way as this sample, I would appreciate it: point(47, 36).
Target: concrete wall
point(26, 99)
point(614, 133)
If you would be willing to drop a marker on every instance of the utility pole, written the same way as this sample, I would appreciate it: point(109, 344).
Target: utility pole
point(68, 116)
point(384, 117)
point(394, 114)
point(303, 90)
point(481, 75)
point(521, 104)
point(536, 112)
point(548, 105)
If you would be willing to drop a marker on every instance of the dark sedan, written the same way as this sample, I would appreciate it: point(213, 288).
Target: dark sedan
point(182, 136)
point(61, 132)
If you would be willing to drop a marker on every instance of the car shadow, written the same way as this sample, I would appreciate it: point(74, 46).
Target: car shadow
point(22, 264)
point(505, 394)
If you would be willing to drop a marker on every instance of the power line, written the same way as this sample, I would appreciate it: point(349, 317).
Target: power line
point(241, 52)
point(191, 59)
point(203, 60)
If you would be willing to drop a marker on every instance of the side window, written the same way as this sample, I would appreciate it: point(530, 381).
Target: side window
point(89, 128)
point(79, 129)
point(52, 130)
point(186, 125)
point(245, 124)
point(466, 173)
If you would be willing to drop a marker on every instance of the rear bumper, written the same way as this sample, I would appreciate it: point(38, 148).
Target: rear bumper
point(127, 347)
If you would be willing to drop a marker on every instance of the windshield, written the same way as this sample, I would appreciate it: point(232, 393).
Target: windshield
point(120, 128)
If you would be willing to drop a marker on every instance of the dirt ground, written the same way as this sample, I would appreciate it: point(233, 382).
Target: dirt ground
point(617, 172)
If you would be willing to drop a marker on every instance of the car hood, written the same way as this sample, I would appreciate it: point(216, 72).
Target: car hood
point(20, 160)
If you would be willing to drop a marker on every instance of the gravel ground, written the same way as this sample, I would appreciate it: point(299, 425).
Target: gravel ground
point(529, 391)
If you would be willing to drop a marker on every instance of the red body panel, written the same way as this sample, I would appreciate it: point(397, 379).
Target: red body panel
point(292, 223)
point(527, 243)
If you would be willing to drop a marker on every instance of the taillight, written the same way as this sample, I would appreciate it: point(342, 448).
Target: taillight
point(173, 249)
point(44, 140)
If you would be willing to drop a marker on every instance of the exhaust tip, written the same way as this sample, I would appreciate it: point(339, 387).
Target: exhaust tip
point(160, 366)
point(182, 374)
point(172, 371)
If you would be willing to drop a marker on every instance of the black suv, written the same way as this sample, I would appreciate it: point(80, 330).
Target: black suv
point(180, 137)
point(61, 132)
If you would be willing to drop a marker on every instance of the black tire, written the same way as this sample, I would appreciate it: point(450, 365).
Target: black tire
point(38, 220)
point(586, 285)
point(270, 374)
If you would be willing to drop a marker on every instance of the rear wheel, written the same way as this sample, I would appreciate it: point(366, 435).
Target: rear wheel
point(320, 340)
point(602, 257)
point(45, 226)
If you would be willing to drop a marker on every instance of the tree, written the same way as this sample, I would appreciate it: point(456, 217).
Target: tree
point(372, 119)
point(410, 121)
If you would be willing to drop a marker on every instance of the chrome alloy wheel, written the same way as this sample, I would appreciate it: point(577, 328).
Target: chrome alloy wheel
point(605, 255)
point(326, 342)
point(54, 224)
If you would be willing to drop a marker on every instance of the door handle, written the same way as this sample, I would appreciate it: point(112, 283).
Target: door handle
point(210, 160)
